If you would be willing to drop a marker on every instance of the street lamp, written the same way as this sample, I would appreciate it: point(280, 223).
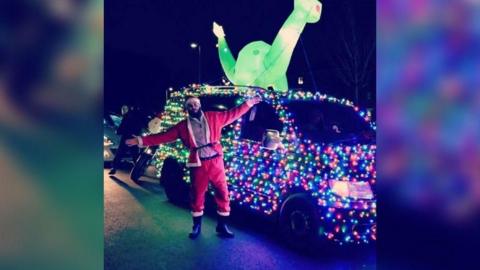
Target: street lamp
point(194, 46)
point(300, 81)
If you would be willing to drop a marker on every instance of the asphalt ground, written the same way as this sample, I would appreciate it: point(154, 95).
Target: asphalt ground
point(143, 230)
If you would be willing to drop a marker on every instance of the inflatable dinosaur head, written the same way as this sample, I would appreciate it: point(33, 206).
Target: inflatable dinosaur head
point(312, 9)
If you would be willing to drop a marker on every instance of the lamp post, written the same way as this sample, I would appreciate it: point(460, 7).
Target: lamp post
point(194, 46)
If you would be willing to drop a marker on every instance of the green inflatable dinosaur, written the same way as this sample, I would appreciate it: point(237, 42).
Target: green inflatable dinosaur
point(258, 63)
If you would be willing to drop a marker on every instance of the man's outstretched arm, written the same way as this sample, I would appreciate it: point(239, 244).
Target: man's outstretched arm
point(235, 113)
point(155, 139)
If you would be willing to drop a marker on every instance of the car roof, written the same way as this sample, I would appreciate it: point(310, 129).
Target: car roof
point(290, 95)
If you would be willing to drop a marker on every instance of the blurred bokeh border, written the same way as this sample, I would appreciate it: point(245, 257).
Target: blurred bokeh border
point(428, 108)
point(428, 104)
point(51, 88)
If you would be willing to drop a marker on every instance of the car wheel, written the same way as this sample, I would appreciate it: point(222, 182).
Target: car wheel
point(140, 167)
point(299, 222)
point(176, 189)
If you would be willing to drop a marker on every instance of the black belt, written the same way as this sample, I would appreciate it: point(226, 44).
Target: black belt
point(208, 158)
point(205, 145)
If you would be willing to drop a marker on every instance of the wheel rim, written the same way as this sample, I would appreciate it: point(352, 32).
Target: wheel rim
point(299, 223)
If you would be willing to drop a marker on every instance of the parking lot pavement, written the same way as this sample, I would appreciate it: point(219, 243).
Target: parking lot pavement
point(144, 231)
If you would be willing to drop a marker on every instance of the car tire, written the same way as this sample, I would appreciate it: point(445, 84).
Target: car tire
point(299, 222)
point(139, 167)
point(176, 189)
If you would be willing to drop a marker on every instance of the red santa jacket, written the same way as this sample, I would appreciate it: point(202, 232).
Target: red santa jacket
point(183, 130)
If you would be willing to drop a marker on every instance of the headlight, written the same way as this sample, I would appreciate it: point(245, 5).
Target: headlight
point(149, 151)
point(355, 190)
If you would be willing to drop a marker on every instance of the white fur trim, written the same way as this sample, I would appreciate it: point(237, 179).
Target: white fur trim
point(197, 214)
point(223, 214)
point(192, 165)
point(207, 128)
point(190, 131)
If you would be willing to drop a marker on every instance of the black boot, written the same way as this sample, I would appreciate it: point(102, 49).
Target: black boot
point(112, 171)
point(222, 228)
point(197, 227)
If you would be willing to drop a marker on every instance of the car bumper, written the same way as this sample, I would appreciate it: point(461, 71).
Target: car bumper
point(348, 225)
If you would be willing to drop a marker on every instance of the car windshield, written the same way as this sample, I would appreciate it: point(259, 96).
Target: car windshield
point(329, 122)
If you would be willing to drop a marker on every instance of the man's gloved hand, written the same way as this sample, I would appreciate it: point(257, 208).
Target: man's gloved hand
point(254, 101)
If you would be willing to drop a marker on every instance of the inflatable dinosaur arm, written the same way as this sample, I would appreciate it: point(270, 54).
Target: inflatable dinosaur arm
point(282, 47)
point(226, 58)
point(305, 11)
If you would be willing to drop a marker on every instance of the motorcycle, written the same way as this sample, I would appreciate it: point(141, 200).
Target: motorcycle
point(142, 163)
point(145, 158)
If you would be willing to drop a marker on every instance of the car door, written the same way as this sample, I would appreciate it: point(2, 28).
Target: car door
point(251, 168)
point(347, 142)
point(353, 141)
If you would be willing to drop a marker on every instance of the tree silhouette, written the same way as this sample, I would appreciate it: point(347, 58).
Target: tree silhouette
point(352, 56)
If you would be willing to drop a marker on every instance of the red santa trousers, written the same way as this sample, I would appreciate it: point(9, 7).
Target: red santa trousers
point(213, 171)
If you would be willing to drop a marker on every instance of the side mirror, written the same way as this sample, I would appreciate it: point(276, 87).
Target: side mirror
point(271, 139)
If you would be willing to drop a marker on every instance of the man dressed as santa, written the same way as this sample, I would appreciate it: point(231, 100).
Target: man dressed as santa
point(200, 132)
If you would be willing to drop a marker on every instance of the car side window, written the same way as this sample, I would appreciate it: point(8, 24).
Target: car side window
point(327, 122)
point(341, 122)
point(258, 119)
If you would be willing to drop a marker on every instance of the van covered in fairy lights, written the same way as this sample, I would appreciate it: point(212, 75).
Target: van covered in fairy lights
point(318, 181)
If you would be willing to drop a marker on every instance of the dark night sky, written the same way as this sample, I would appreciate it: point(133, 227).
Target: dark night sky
point(147, 44)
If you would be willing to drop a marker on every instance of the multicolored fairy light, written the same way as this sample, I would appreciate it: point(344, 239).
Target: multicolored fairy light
point(339, 177)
